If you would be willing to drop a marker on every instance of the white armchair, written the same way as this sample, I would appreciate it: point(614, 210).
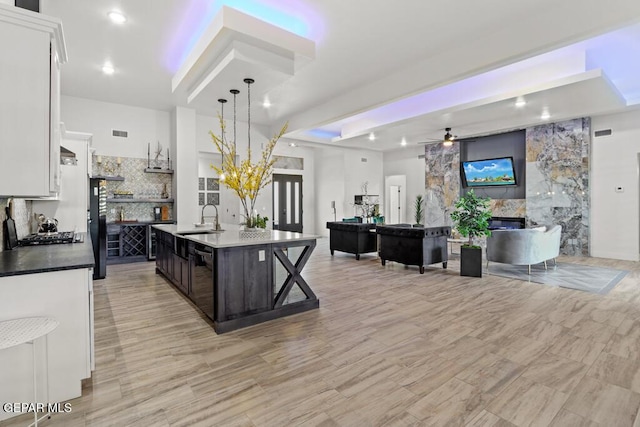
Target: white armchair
point(525, 246)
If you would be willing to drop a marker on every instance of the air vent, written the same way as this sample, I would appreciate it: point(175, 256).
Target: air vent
point(605, 132)
point(119, 133)
point(363, 159)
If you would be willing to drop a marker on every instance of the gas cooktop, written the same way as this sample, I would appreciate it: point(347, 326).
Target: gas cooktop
point(48, 238)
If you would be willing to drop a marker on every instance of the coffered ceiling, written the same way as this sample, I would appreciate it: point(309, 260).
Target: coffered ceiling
point(397, 70)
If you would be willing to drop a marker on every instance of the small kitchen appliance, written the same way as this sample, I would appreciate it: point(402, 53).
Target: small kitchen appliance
point(48, 225)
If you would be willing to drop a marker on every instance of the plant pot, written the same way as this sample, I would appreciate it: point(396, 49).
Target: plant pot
point(471, 262)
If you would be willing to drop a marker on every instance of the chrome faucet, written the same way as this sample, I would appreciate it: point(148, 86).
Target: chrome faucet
point(216, 224)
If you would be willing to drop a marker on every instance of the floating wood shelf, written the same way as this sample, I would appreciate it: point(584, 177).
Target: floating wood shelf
point(109, 178)
point(123, 200)
point(152, 170)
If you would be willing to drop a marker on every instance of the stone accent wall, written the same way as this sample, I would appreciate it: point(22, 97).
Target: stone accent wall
point(557, 182)
point(442, 182)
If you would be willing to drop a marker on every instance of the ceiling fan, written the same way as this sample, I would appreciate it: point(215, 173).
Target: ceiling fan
point(447, 139)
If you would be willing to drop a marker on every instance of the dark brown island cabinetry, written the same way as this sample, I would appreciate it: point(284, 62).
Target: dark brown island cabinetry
point(238, 285)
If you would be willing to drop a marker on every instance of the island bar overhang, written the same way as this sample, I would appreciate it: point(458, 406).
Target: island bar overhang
point(252, 280)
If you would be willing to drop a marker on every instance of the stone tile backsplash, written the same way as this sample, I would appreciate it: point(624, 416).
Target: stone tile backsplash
point(143, 185)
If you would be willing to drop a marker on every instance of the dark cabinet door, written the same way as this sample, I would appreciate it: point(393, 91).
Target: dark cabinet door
point(244, 281)
point(160, 254)
point(202, 288)
point(179, 273)
point(185, 283)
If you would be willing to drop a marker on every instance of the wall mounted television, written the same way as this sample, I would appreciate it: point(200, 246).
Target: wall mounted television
point(488, 172)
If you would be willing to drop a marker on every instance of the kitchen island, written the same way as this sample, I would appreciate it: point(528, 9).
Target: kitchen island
point(237, 281)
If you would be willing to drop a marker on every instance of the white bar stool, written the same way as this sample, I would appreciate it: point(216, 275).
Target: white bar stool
point(26, 331)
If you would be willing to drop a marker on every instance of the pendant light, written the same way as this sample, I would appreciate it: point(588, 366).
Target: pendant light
point(222, 101)
point(235, 92)
point(249, 82)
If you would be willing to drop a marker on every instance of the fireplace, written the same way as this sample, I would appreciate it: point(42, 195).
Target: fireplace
point(506, 223)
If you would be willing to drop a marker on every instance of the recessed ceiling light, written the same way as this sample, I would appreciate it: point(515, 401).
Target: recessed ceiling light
point(292, 144)
point(266, 103)
point(403, 142)
point(372, 136)
point(545, 115)
point(117, 17)
point(108, 69)
point(520, 102)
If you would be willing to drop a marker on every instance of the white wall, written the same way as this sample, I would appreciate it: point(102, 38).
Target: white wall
point(615, 232)
point(339, 175)
point(99, 118)
point(329, 176)
point(185, 178)
point(406, 162)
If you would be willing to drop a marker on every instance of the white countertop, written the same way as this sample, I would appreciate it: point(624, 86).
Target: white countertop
point(230, 237)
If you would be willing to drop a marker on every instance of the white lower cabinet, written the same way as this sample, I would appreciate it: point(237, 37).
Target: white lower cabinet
point(66, 296)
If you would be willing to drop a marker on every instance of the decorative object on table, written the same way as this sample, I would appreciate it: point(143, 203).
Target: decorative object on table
point(261, 221)
point(418, 209)
point(48, 225)
point(165, 193)
point(246, 178)
point(158, 155)
point(259, 231)
point(377, 218)
point(164, 213)
point(471, 219)
point(366, 202)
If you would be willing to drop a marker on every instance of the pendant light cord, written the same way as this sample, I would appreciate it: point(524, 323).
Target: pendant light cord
point(234, 92)
point(248, 82)
point(249, 116)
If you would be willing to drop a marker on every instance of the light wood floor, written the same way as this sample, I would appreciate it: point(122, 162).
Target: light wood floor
point(388, 346)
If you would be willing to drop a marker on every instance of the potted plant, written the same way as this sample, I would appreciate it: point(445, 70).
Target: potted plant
point(418, 209)
point(261, 221)
point(471, 219)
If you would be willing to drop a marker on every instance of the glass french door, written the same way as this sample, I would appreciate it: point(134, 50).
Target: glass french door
point(287, 202)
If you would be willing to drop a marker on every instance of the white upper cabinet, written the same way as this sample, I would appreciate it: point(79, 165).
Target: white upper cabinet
point(31, 51)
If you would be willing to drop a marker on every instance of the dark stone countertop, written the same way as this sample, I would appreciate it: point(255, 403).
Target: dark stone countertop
point(46, 258)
